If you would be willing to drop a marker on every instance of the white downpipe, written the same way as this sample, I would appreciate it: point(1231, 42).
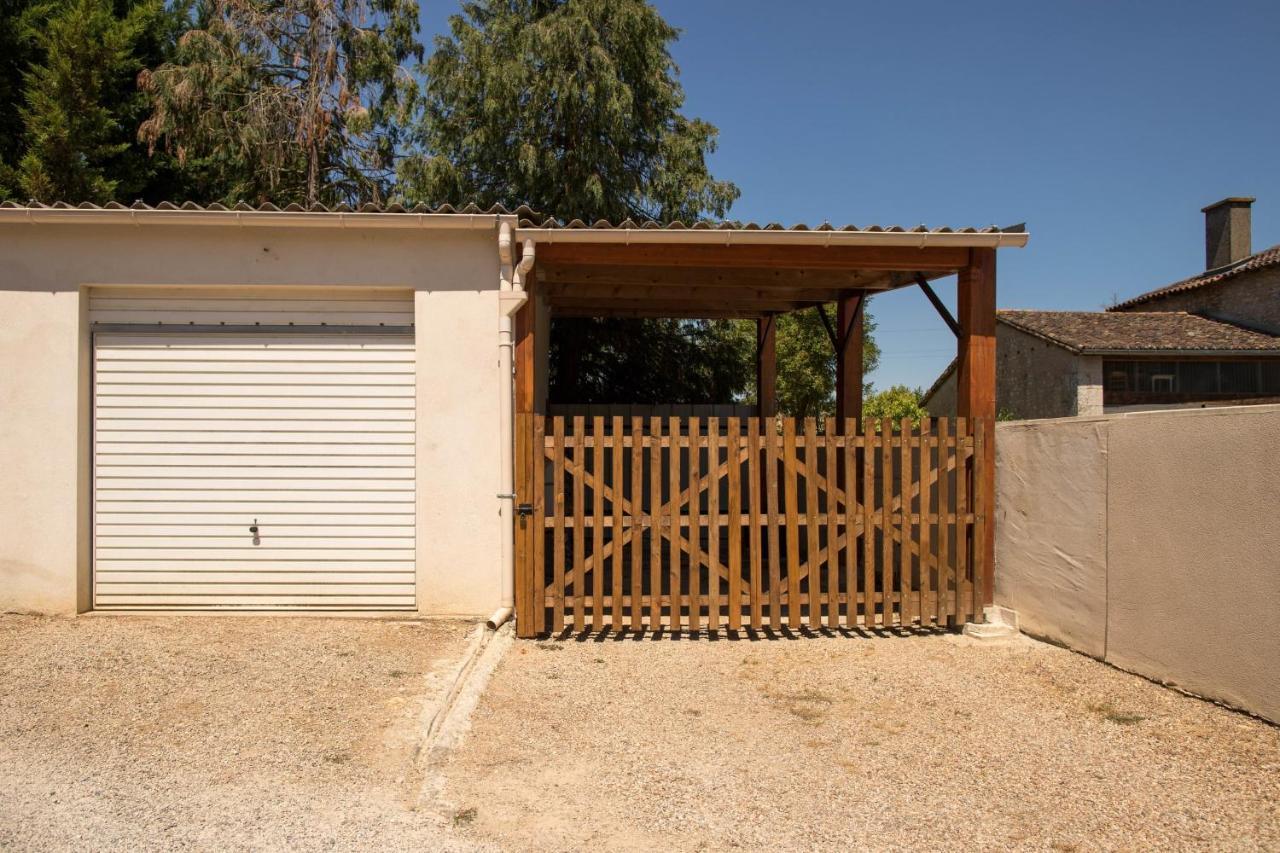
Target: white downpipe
point(511, 296)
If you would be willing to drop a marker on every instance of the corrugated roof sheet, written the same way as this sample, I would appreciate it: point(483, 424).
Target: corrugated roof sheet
point(528, 218)
point(1138, 331)
point(1260, 260)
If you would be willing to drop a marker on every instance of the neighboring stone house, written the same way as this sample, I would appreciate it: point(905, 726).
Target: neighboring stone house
point(1213, 339)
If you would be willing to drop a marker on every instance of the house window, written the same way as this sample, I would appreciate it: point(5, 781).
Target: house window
point(1149, 381)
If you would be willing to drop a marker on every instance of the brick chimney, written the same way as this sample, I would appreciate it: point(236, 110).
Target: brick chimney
point(1226, 232)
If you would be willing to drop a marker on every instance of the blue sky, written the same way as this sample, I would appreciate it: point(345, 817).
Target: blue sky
point(1105, 126)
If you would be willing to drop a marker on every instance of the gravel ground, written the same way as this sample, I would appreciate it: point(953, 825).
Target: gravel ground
point(217, 732)
point(854, 743)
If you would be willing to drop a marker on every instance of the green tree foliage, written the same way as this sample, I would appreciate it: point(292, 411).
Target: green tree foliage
point(807, 362)
point(17, 51)
point(79, 104)
point(895, 403)
point(287, 100)
point(570, 106)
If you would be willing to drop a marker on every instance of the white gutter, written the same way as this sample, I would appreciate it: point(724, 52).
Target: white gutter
point(252, 218)
point(511, 296)
point(777, 237)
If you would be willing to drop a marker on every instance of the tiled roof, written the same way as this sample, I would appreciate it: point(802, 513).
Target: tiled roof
point(528, 218)
point(1260, 260)
point(1138, 332)
point(267, 207)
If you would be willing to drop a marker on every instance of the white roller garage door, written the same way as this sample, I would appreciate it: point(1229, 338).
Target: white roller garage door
point(201, 436)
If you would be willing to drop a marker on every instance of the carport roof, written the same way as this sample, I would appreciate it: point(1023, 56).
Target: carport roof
point(673, 269)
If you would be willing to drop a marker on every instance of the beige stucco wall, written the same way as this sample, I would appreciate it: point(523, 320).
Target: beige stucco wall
point(45, 271)
point(1150, 540)
point(1051, 528)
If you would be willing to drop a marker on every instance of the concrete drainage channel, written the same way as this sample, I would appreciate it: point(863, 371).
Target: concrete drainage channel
point(446, 717)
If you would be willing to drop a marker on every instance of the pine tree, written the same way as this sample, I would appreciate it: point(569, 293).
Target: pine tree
point(570, 106)
point(76, 140)
point(288, 100)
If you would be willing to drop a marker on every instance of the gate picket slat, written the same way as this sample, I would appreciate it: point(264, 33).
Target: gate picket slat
point(713, 524)
point(597, 531)
point(962, 524)
point(833, 529)
point(695, 525)
point(927, 473)
point(852, 522)
point(755, 496)
point(811, 521)
point(579, 529)
point(772, 442)
point(906, 614)
point(944, 523)
point(615, 444)
point(637, 530)
point(732, 457)
point(886, 522)
point(557, 594)
point(673, 476)
point(868, 524)
point(790, 497)
point(655, 524)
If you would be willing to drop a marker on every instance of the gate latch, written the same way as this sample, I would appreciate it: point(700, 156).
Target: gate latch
point(524, 509)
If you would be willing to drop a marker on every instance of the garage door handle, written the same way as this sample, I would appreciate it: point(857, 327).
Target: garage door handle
point(253, 528)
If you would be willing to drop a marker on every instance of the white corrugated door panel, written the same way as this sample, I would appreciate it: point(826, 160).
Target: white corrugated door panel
point(198, 436)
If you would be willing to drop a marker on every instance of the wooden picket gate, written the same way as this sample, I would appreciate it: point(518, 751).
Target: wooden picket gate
point(750, 523)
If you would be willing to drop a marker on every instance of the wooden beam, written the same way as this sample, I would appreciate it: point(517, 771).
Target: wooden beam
point(766, 367)
point(976, 387)
point(567, 305)
point(593, 290)
point(849, 359)
point(938, 305)
point(526, 325)
point(695, 276)
point(929, 258)
point(525, 454)
point(675, 313)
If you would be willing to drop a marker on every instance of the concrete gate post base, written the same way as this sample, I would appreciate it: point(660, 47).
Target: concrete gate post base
point(1001, 622)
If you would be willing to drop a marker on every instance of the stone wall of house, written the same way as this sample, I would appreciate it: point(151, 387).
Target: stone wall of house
point(1034, 379)
point(1251, 299)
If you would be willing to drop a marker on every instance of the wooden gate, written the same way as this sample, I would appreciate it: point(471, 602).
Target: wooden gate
point(693, 523)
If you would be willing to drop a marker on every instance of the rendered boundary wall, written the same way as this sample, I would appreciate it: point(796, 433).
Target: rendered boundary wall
point(1151, 541)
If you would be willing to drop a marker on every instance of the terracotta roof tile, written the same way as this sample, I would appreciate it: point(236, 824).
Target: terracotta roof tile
point(1260, 260)
point(528, 218)
point(1139, 331)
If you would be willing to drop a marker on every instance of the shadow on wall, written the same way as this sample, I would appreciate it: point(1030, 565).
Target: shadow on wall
point(1149, 540)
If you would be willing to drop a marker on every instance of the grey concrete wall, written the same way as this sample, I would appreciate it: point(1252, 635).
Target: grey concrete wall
point(1150, 540)
point(1252, 299)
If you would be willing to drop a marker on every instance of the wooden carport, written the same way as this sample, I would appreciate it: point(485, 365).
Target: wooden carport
point(673, 523)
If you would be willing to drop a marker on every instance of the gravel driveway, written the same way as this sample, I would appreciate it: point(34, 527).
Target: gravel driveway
point(216, 732)
point(850, 743)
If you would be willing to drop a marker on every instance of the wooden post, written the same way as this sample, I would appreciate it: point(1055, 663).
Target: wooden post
point(528, 468)
point(976, 387)
point(849, 359)
point(766, 367)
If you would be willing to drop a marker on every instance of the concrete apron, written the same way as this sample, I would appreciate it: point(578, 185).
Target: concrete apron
point(1001, 623)
point(446, 717)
